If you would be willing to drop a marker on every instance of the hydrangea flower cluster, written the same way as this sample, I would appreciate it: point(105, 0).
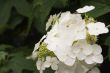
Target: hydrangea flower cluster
point(70, 43)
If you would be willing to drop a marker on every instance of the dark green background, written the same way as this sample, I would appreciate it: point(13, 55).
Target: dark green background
point(22, 24)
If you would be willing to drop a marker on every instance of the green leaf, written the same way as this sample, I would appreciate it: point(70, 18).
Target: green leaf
point(101, 7)
point(14, 21)
point(3, 27)
point(42, 10)
point(60, 3)
point(23, 7)
point(3, 70)
point(19, 62)
point(5, 9)
point(107, 42)
point(4, 46)
point(2, 55)
point(109, 54)
point(64, 2)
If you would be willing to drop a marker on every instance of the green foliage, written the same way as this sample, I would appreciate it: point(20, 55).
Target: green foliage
point(2, 56)
point(19, 63)
point(107, 42)
point(41, 11)
point(23, 7)
point(22, 22)
point(5, 9)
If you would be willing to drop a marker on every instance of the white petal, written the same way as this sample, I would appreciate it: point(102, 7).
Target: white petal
point(89, 60)
point(65, 17)
point(97, 49)
point(76, 48)
point(70, 61)
point(48, 58)
point(87, 49)
point(97, 28)
point(72, 55)
point(54, 66)
point(55, 60)
point(60, 55)
point(97, 58)
point(47, 64)
point(43, 67)
point(39, 64)
point(85, 9)
point(43, 37)
point(34, 55)
point(81, 56)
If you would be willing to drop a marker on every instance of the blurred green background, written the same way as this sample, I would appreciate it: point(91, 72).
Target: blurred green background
point(22, 24)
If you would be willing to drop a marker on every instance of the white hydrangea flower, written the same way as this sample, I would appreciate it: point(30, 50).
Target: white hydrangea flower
point(63, 29)
point(97, 28)
point(90, 53)
point(51, 61)
point(69, 28)
point(40, 65)
point(85, 9)
point(67, 39)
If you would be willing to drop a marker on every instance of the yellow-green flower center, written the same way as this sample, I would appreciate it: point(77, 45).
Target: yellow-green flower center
point(43, 51)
